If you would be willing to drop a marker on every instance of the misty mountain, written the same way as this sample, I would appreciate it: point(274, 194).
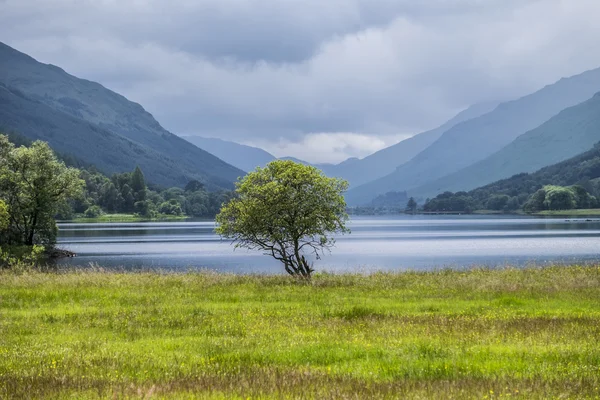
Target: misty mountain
point(356, 171)
point(240, 156)
point(94, 123)
point(383, 162)
point(471, 141)
point(571, 132)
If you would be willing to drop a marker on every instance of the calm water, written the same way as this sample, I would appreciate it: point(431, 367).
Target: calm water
point(376, 243)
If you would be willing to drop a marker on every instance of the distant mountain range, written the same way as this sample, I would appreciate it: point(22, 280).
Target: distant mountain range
point(471, 141)
point(385, 161)
point(481, 144)
point(239, 155)
point(98, 125)
point(356, 171)
point(569, 133)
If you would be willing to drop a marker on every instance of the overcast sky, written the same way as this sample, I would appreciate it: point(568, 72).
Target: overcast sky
point(320, 80)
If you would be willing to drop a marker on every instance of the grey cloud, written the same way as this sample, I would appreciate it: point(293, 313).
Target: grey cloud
point(264, 70)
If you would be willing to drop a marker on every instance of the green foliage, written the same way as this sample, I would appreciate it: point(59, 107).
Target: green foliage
point(559, 198)
point(498, 202)
point(194, 186)
point(4, 217)
point(553, 197)
point(34, 184)
point(580, 175)
point(19, 259)
point(285, 209)
point(451, 202)
point(138, 184)
point(93, 212)
point(171, 207)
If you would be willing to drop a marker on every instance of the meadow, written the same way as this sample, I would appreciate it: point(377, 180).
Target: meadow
point(486, 334)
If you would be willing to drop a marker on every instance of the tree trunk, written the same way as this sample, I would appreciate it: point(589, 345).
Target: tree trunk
point(31, 233)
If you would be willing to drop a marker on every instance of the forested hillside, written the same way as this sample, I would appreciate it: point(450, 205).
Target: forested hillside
point(478, 138)
point(518, 191)
point(100, 126)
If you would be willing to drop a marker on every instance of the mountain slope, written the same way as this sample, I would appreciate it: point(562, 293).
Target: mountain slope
point(571, 132)
point(111, 153)
point(246, 158)
point(583, 169)
point(356, 171)
point(107, 111)
point(385, 161)
point(478, 138)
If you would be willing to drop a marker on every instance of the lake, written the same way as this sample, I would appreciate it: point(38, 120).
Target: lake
point(376, 243)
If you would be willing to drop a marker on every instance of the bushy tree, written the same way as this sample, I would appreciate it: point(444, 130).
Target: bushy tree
point(171, 207)
point(138, 184)
point(497, 202)
point(559, 198)
point(411, 206)
point(34, 184)
point(287, 210)
point(93, 212)
point(194, 186)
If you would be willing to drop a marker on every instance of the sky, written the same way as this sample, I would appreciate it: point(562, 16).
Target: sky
point(321, 80)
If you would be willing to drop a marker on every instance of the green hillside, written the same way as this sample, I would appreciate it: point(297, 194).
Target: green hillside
point(583, 169)
point(99, 125)
point(478, 138)
point(579, 175)
point(569, 133)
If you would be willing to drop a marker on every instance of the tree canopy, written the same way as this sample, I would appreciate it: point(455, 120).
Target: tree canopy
point(34, 184)
point(288, 210)
point(3, 216)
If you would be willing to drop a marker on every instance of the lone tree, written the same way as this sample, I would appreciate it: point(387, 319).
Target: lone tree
point(288, 210)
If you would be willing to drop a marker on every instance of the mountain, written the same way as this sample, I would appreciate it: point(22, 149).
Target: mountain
point(570, 132)
point(383, 162)
point(475, 139)
point(242, 156)
point(87, 119)
point(246, 158)
point(355, 170)
point(583, 169)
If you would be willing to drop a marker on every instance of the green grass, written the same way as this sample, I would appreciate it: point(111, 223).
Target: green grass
point(594, 212)
point(530, 333)
point(128, 218)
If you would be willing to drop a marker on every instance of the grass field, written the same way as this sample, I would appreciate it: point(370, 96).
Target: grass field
point(594, 212)
point(490, 334)
point(128, 218)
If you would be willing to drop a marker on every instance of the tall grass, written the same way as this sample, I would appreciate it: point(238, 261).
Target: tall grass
point(531, 333)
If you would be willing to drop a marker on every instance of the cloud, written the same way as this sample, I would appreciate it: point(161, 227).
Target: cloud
point(287, 72)
point(327, 147)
